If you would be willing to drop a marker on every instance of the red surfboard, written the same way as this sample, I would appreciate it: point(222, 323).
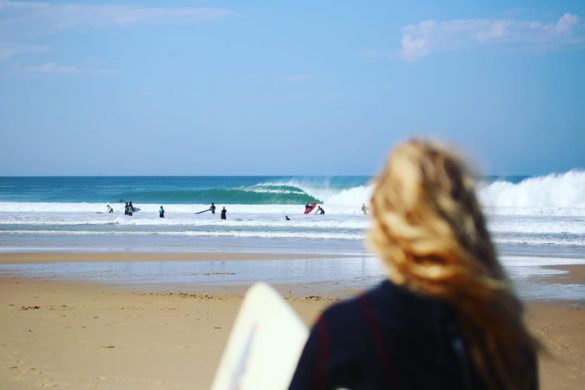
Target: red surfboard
point(310, 208)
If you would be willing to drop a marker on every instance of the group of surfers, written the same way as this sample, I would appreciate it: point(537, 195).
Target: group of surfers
point(129, 210)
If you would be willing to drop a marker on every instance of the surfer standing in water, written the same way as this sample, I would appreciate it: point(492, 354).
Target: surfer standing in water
point(320, 211)
point(446, 317)
point(161, 212)
point(364, 209)
point(212, 208)
point(223, 213)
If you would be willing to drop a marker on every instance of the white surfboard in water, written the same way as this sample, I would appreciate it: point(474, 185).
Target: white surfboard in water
point(265, 344)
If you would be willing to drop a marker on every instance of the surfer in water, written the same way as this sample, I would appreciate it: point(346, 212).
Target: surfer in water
point(223, 213)
point(320, 211)
point(286, 218)
point(161, 212)
point(110, 209)
point(446, 317)
point(212, 208)
point(364, 209)
point(126, 209)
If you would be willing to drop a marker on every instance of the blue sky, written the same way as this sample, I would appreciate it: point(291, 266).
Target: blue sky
point(254, 87)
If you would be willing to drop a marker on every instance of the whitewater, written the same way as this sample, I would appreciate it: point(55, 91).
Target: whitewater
point(539, 213)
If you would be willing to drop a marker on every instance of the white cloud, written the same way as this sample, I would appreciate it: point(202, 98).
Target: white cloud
point(18, 17)
point(19, 20)
point(298, 78)
point(53, 68)
point(424, 38)
point(10, 49)
point(50, 67)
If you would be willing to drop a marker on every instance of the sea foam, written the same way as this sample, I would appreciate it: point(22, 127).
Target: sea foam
point(552, 192)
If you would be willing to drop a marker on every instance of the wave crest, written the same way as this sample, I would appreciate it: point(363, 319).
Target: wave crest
point(566, 190)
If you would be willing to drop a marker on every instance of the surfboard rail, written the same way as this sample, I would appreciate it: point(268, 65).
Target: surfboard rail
point(264, 346)
point(310, 208)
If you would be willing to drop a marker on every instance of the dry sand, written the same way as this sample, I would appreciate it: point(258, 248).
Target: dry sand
point(74, 335)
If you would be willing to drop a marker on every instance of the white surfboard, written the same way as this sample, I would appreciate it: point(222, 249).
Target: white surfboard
point(265, 344)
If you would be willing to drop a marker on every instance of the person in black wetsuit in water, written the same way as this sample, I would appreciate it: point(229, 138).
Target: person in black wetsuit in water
point(212, 208)
point(320, 211)
point(223, 213)
point(446, 316)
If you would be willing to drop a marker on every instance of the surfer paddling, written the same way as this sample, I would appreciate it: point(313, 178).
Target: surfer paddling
point(446, 317)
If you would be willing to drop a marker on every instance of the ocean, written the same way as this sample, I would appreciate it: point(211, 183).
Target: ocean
point(541, 214)
point(536, 222)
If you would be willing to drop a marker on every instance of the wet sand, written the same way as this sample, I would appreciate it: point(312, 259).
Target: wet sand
point(80, 335)
point(88, 257)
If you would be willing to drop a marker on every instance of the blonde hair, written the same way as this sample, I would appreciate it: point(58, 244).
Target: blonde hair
point(429, 230)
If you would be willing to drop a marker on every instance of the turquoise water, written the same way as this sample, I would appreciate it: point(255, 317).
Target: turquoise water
point(183, 189)
point(175, 190)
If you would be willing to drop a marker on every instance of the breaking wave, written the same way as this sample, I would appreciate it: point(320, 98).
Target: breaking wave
point(561, 194)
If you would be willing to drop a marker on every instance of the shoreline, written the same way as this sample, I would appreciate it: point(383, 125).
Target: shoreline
point(574, 273)
point(120, 256)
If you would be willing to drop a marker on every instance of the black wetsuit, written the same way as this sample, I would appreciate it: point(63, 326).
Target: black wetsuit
point(212, 208)
point(223, 214)
point(388, 338)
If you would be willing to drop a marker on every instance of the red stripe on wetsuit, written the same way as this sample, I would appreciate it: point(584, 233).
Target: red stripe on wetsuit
point(377, 336)
point(323, 352)
point(378, 342)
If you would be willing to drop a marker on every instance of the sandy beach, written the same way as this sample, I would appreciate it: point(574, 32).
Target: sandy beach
point(63, 334)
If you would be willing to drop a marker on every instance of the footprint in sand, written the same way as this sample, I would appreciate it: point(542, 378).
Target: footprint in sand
point(35, 307)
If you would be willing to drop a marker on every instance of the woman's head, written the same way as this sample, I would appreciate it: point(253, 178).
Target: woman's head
point(427, 224)
point(428, 228)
